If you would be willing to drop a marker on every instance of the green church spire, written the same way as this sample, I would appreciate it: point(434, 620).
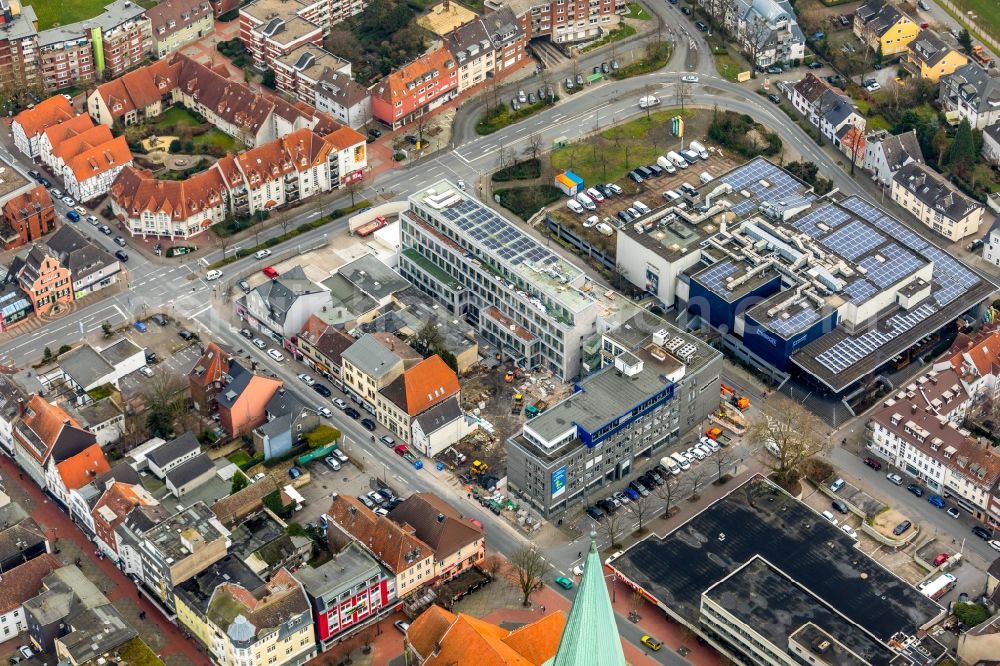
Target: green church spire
point(591, 633)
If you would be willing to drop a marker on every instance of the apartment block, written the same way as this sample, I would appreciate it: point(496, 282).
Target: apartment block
point(415, 89)
point(27, 217)
point(18, 46)
point(174, 23)
point(271, 29)
point(534, 306)
point(299, 72)
point(563, 21)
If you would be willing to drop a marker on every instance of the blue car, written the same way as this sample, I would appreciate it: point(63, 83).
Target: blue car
point(936, 501)
point(73, 216)
point(632, 495)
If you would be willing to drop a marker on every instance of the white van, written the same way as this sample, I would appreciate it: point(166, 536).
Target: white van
point(574, 206)
point(641, 207)
point(698, 148)
point(705, 177)
point(678, 161)
point(666, 164)
point(681, 461)
point(670, 195)
point(670, 465)
point(587, 202)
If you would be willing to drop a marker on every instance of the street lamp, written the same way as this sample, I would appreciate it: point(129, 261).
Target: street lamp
point(614, 587)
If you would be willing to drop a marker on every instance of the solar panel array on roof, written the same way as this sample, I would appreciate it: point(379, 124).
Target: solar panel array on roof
point(849, 351)
point(952, 277)
point(714, 277)
point(496, 234)
point(860, 291)
point(890, 226)
point(890, 265)
point(766, 182)
point(786, 328)
point(853, 240)
point(827, 214)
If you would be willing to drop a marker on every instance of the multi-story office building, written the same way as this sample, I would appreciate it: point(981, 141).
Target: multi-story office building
point(533, 305)
point(656, 384)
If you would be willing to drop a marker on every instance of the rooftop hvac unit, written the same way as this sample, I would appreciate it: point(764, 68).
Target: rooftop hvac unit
point(675, 344)
point(660, 337)
point(686, 352)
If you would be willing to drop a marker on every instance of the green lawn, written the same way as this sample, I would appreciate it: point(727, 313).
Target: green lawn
point(218, 138)
point(59, 12)
point(987, 16)
point(603, 160)
point(878, 123)
point(637, 11)
point(727, 66)
point(615, 35)
point(176, 116)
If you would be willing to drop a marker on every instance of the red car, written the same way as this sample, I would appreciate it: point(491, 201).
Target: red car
point(874, 464)
point(941, 559)
point(270, 272)
point(401, 449)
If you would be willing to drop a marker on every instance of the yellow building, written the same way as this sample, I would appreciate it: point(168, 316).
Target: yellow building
point(883, 27)
point(246, 622)
point(176, 23)
point(929, 57)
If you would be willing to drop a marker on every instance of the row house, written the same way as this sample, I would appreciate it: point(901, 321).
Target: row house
point(936, 202)
point(85, 156)
point(29, 125)
point(973, 94)
point(342, 97)
point(416, 88)
point(321, 346)
point(27, 217)
point(827, 107)
point(280, 307)
point(486, 47)
point(563, 21)
point(883, 28)
point(18, 46)
point(65, 255)
point(22, 583)
point(242, 400)
point(74, 472)
point(917, 432)
point(347, 593)
point(175, 23)
point(111, 508)
point(207, 377)
point(46, 434)
point(43, 278)
point(418, 389)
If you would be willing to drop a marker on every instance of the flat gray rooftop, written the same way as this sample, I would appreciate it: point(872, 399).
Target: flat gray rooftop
point(758, 519)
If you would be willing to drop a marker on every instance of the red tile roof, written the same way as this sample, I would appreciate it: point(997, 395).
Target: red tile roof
point(47, 113)
point(24, 581)
point(980, 354)
point(297, 151)
point(440, 638)
point(391, 543)
point(116, 502)
point(74, 145)
point(140, 87)
point(344, 138)
point(46, 420)
point(61, 131)
point(23, 205)
point(435, 66)
point(138, 191)
point(426, 384)
point(83, 468)
point(98, 159)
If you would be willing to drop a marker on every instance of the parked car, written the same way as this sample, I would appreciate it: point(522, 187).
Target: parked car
point(259, 344)
point(686, 11)
point(353, 413)
point(937, 501)
point(840, 506)
point(73, 216)
point(213, 275)
point(873, 463)
point(306, 379)
point(332, 462)
point(568, 83)
point(401, 625)
point(982, 532)
point(954, 512)
point(262, 254)
point(121, 256)
point(701, 26)
point(994, 544)
point(895, 478)
point(276, 355)
point(915, 489)
point(271, 272)
point(775, 98)
point(244, 286)
point(340, 403)
point(564, 583)
point(185, 334)
point(579, 79)
point(322, 389)
point(646, 639)
point(815, 64)
point(849, 531)
point(387, 440)
point(104, 229)
point(595, 512)
point(615, 189)
point(146, 371)
point(941, 559)
point(368, 425)
point(294, 472)
point(902, 527)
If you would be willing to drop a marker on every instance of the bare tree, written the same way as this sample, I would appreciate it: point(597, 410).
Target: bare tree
point(224, 243)
point(526, 570)
point(668, 492)
point(165, 396)
point(783, 441)
point(534, 147)
point(695, 480)
point(492, 565)
point(755, 36)
point(682, 92)
point(612, 526)
point(283, 220)
point(640, 509)
point(723, 458)
point(353, 189)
